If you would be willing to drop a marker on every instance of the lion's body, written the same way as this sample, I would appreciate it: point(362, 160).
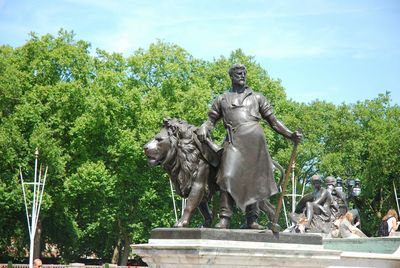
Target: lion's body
point(176, 149)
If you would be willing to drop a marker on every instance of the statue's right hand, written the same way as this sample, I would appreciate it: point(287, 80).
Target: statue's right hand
point(202, 133)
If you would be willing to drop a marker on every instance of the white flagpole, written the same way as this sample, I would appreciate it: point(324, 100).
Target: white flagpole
point(41, 195)
point(38, 190)
point(33, 215)
point(184, 200)
point(294, 189)
point(173, 201)
point(25, 202)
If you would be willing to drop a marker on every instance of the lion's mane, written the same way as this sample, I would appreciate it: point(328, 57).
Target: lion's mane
point(183, 158)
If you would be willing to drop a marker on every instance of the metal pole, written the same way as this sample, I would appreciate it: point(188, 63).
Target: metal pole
point(33, 215)
point(293, 190)
point(38, 190)
point(173, 200)
point(303, 187)
point(397, 198)
point(41, 195)
point(25, 202)
point(184, 200)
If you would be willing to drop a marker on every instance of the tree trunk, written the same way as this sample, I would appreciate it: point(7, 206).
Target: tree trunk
point(36, 243)
point(116, 253)
point(126, 250)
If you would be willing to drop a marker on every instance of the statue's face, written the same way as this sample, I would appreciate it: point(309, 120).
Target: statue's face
point(239, 77)
point(317, 184)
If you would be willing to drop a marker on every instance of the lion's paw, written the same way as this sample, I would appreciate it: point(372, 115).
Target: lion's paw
point(181, 224)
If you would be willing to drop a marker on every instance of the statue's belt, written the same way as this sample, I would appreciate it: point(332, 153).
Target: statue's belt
point(230, 129)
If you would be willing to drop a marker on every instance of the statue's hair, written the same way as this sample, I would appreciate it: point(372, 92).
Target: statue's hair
point(316, 178)
point(237, 66)
point(330, 180)
point(183, 158)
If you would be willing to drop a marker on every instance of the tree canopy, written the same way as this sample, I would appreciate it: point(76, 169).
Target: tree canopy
point(91, 113)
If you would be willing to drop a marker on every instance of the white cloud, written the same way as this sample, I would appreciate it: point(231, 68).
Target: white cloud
point(267, 31)
point(275, 29)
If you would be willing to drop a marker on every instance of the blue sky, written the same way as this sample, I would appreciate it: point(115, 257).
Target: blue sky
point(338, 51)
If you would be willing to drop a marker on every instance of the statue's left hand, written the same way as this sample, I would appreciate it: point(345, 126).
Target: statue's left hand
point(202, 133)
point(297, 136)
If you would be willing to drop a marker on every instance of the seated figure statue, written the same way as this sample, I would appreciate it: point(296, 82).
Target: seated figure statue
point(339, 201)
point(338, 205)
point(316, 207)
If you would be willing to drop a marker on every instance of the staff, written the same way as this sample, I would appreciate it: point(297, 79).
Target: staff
point(275, 228)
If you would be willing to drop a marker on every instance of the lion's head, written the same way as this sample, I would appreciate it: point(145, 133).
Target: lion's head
point(174, 149)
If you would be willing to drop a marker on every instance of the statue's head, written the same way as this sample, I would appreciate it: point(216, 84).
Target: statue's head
point(316, 180)
point(330, 180)
point(238, 72)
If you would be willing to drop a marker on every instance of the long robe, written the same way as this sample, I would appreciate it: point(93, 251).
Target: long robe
point(246, 169)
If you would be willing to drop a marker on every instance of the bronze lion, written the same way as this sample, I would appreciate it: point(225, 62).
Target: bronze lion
point(189, 164)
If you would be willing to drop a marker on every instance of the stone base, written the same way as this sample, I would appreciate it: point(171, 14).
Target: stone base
point(384, 245)
point(235, 235)
point(189, 248)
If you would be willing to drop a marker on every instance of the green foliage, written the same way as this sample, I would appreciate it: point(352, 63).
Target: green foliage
point(355, 141)
point(91, 114)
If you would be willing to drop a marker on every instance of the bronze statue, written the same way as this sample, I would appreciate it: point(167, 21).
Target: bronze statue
point(321, 208)
point(321, 203)
point(339, 201)
point(245, 174)
point(191, 165)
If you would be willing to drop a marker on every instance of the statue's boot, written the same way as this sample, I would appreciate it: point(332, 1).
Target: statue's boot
point(252, 213)
point(256, 226)
point(224, 223)
point(251, 223)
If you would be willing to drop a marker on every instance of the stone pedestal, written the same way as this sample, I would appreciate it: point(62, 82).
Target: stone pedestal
point(384, 245)
point(189, 248)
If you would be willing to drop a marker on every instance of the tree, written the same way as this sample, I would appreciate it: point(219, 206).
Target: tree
point(357, 141)
point(36, 79)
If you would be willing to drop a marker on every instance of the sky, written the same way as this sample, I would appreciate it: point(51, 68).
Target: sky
point(336, 51)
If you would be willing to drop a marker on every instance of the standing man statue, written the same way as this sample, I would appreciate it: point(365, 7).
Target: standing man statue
point(245, 174)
